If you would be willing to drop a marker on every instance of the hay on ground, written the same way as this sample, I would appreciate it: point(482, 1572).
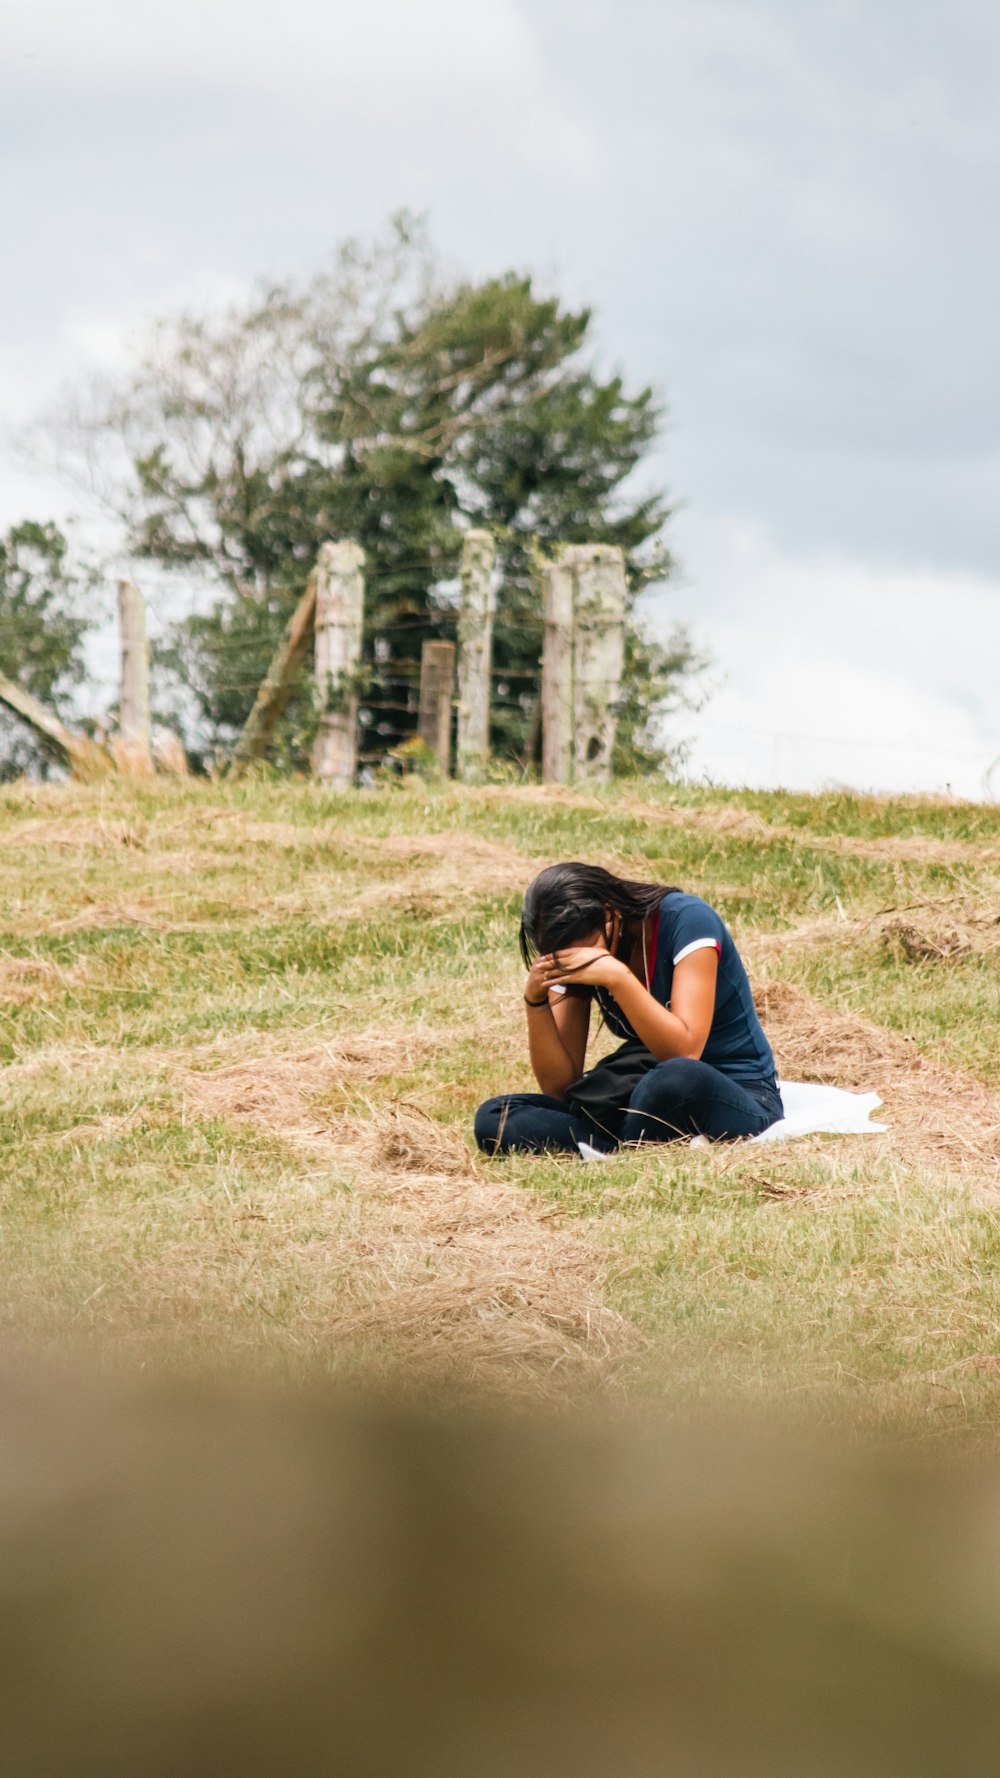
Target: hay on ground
point(76, 835)
point(25, 981)
point(943, 930)
point(284, 1093)
point(151, 914)
point(450, 1271)
point(940, 929)
point(938, 1115)
point(440, 869)
point(404, 1139)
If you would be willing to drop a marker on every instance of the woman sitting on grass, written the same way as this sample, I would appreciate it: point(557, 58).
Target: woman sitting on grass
point(667, 977)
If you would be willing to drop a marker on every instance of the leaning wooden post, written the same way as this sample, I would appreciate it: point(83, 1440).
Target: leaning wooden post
point(133, 752)
point(340, 610)
point(557, 674)
point(437, 683)
point(276, 689)
point(475, 653)
point(599, 597)
point(84, 757)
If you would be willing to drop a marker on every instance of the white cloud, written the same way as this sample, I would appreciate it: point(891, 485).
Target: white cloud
point(839, 723)
point(381, 45)
point(385, 62)
point(837, 671)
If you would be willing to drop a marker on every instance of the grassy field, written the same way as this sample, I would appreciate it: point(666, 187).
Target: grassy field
point(243, 1030)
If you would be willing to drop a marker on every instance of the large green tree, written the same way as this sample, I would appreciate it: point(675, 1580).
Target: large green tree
point(42, 627)
point(383, 403)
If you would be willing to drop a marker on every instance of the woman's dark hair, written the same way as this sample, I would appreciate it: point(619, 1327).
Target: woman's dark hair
point(567, 902)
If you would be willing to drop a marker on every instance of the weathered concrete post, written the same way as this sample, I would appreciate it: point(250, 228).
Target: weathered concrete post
point(133, 750)
point(582, 658)
point(475, 652)
point(600, 590)
point(437, 683)
point(340, 606)
point(557, 674)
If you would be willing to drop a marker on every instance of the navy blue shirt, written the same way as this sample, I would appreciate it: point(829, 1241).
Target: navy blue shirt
point(736, 1042)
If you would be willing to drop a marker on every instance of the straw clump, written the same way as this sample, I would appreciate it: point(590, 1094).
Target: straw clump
point(943, 931)
point(26, 981)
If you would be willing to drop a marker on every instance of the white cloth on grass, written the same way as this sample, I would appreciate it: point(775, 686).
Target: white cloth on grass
point(815, 1110)
point(809, 1110)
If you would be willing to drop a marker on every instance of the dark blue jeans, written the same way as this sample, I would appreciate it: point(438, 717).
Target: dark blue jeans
point(677, 1099)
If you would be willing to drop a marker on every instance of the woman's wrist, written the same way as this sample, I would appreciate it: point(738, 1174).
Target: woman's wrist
point(529, 1002)
point(616, 973)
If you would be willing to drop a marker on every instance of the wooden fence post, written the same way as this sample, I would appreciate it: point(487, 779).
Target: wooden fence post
point(599, 595)
point(132, 750)
point(437, 682)
point(340, 608)
point(557, 674)
point(475, 653)
point(276, 688)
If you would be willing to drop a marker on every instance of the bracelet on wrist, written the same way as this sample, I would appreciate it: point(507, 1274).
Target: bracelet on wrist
point(528, 1002)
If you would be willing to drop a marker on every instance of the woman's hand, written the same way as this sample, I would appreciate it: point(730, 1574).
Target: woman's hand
point(591, 965)
point(537, 984)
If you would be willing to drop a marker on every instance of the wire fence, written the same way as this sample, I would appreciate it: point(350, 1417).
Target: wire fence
point(384, 708)
point(775, 754)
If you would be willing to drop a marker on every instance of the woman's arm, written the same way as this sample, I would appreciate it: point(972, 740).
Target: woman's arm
point(557, 1031)
point(678, 1030)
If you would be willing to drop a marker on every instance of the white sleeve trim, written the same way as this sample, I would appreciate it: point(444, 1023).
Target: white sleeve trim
point(698, 944)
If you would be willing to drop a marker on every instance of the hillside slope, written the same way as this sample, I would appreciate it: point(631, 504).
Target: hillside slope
point(243, 1030)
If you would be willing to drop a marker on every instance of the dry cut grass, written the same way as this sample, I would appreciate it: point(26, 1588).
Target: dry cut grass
point(448, 1271)
point(940, 1116)
point(26, 981)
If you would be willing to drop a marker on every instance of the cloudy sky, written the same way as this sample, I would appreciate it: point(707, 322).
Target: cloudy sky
point(783, 211)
